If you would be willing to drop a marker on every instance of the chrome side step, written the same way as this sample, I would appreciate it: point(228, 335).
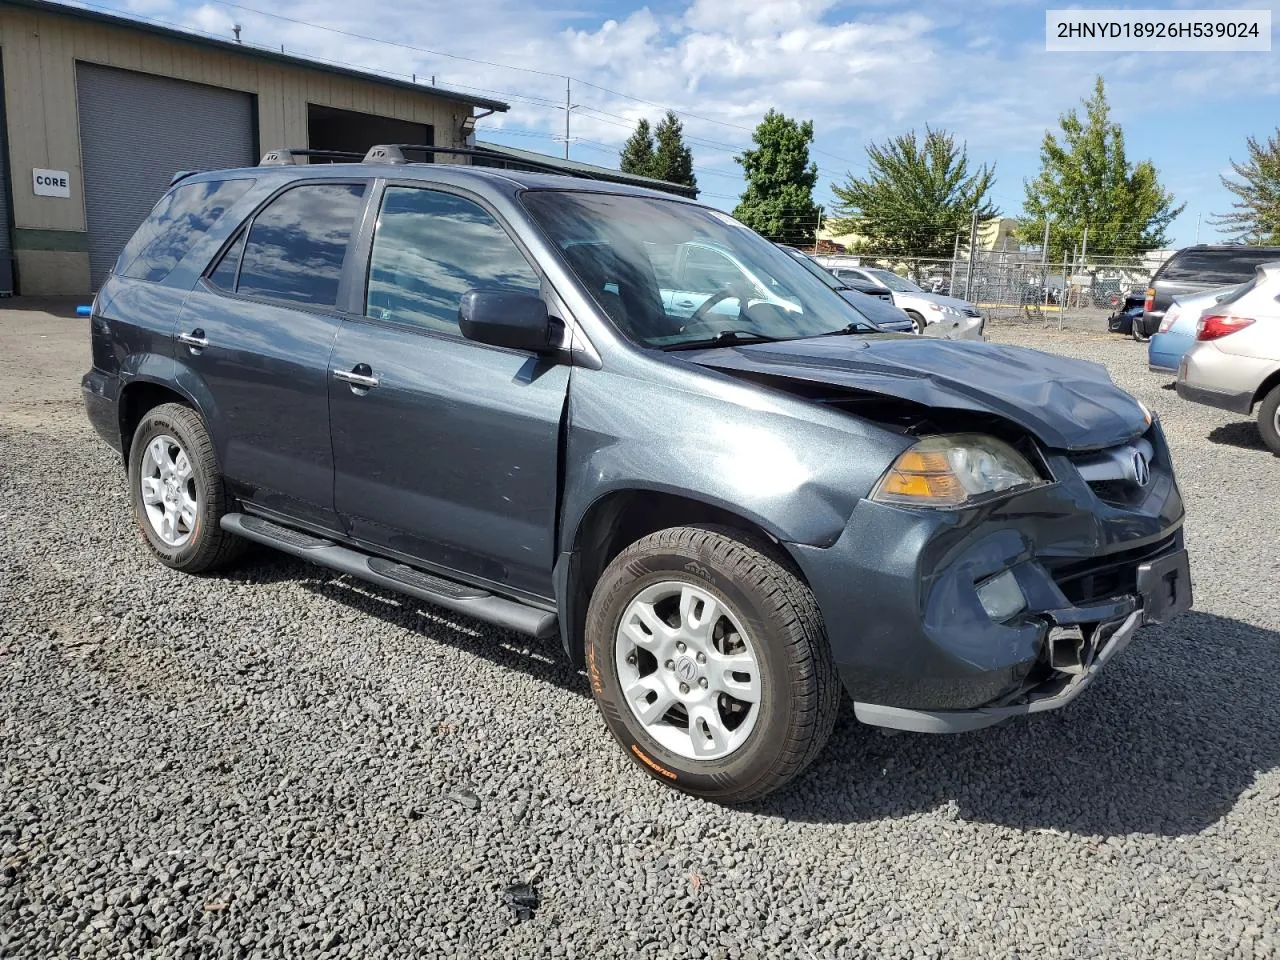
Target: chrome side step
point(459, 597)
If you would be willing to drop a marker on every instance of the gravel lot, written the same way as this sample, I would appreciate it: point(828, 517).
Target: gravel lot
point(283, 762)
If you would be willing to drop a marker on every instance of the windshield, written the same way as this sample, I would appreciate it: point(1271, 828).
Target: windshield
point(895, 282)
point(669, 273)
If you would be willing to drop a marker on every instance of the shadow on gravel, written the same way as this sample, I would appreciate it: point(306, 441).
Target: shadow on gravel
point(543, 660)
point(1242, 433)
point(1165, 743)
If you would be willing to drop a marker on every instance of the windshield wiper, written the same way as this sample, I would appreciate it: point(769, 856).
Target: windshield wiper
point(849, 329)
point(722, 338)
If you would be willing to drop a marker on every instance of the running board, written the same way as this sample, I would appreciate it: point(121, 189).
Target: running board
point(472, 601)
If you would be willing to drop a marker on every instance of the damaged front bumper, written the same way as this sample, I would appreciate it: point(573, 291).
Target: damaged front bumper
point(917, 649)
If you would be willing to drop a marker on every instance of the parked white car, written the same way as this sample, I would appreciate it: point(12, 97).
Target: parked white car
point(925, 309)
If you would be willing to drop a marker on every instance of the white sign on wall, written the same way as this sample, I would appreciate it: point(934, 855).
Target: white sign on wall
point(51, 183)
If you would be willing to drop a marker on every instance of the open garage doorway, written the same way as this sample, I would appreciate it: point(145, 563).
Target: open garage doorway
point(332, 129)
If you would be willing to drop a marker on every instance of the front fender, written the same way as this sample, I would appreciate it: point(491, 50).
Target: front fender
point(793, 468)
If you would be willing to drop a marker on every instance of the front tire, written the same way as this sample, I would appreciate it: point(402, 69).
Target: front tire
point(919, 321)
point(1269, 419)
point(175, 485)
point(710, 663)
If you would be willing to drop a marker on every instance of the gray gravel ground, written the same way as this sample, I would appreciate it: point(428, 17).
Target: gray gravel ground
point(277, 762)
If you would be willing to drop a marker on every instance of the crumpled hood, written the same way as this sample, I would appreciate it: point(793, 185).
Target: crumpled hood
point(1069, 404)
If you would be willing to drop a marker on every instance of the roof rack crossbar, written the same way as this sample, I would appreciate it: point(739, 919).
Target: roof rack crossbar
point(394, 153)
point(287, 156)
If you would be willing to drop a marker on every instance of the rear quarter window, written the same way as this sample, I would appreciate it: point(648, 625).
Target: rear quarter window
point(182, 217)
point(1217, 267)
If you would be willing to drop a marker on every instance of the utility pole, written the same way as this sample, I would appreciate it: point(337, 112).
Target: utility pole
point(1062, 297)
point(955, 265)
point(973, 247)
point(1197, 228)
point(568, 107)
point(1044, 262)
point(1084, 249)
point(817, 233)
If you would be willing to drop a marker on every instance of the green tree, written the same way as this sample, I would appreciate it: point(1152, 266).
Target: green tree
point(637, 152)
point(1086, 181)
point(1255, 216)
point(778, 201)
point(917, 195)
point(672, 160)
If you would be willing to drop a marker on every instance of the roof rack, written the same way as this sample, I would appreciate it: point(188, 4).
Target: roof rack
point(288, 156)
point(394, 153)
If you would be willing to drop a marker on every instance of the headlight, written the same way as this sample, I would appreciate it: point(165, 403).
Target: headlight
point(945, 308)
point(951, 471)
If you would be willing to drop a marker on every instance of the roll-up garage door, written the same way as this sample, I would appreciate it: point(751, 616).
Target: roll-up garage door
point(136, 131)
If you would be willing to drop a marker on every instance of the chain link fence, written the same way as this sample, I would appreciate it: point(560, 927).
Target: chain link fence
point(1021, 286)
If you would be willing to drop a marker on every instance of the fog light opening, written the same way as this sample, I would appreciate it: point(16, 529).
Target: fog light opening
point(1001, 596)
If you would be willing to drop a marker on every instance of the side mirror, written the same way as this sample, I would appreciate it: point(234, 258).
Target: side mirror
point(505, 318)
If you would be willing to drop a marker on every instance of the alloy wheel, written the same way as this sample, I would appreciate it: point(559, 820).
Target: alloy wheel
point(688, 671)
point(169, 491)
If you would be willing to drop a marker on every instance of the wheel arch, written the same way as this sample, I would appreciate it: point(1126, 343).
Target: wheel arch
point(140, 396)
point(1267, 385)
point(619, 518)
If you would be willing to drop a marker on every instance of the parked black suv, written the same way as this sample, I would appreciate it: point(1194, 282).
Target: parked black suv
point(1191, 269)
point(565, 408)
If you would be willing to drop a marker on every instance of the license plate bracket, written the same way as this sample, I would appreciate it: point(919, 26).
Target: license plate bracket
point(1165, 587)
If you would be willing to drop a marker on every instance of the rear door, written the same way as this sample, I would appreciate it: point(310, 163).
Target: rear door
point(446, 451)
point(255, 338)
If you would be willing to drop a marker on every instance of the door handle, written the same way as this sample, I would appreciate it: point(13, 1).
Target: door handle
point(361, 380)
point(196, 339)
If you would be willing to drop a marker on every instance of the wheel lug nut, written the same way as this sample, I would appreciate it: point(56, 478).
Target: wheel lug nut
point(702, 658)
point(681, 647)
point(670, 664)
point(684, 688)
point(702, 682)
point(631, 660)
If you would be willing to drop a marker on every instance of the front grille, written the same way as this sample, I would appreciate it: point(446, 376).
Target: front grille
point(971, 312)
point(1111, 473)
point(1101, 578)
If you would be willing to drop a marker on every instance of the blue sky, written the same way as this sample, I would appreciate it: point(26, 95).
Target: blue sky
point(861, 70)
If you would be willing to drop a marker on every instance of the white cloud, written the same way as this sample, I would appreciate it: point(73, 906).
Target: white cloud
point(860, 70)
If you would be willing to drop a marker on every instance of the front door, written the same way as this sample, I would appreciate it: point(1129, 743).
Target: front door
point(445, 450)
point(256, 334)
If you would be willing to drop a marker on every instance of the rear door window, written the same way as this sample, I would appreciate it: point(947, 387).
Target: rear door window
point(1217, 266)
point(297, 243)
point(182, 217)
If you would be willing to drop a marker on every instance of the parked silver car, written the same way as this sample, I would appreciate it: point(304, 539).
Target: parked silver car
point(962, 319)
point(1235, 362)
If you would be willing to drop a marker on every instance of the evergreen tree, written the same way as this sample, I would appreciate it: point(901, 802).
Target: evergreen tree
point(917, 195)
point(672, 160)
point(1255, 216)
point(778, 200)
point(637, 152)
point(1086, 181)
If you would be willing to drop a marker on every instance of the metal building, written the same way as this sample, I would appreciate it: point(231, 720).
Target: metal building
point(99, 111)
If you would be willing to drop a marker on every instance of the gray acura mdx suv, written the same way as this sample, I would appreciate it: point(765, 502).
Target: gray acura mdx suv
point(513, 395)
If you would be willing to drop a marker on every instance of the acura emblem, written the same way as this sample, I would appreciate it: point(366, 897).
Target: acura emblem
point(1141, 469)
point(686, 669)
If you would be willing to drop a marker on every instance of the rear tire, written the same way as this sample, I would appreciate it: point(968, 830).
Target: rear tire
point(1269, 419)
point(744, 691)
point(175, 485)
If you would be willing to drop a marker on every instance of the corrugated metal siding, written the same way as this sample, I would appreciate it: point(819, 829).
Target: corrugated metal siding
point(136, 131)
